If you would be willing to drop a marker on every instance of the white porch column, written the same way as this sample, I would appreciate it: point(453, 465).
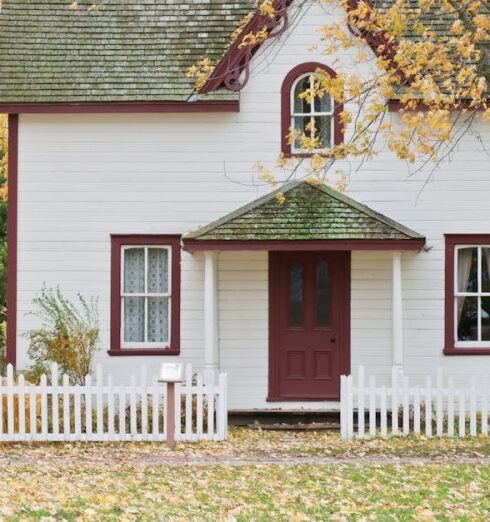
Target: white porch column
point(397, 312)
point(211, 354)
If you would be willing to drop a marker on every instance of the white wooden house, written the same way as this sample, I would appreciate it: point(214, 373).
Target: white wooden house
point(126, 186)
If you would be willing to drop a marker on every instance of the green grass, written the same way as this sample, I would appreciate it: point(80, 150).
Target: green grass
point(144, 481)
point(286, 492)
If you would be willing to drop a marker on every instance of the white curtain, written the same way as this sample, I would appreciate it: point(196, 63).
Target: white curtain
point(465, 258)
point(134, 307)
point(158, 319)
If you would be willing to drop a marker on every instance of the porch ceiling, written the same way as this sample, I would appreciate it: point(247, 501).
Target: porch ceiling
point(311, 217)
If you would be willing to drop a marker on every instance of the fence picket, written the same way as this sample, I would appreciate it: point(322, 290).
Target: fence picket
point(144, 404)
point(416, 410)
point(22, 408)
point(372, 406)
point(88, 407)
point(450, 407)
point(132, 406)
point(66, 407)
point(406, 408)
point(383, 413)
point(10, 400)
point(484, 406)
point(394, 401)
point(77, 412)
point(473, 408)
point(428, 407)
point(199, 406)
point(110, 409)
point(462, 413)
point(55, 400)
point(439, 399)
point(32, 412)
point(360, 403)
point(155, 423)
point(44, 406)
point(122, 413)
point(99, 402)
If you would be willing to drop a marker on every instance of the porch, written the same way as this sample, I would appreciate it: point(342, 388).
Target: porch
point(267, 332)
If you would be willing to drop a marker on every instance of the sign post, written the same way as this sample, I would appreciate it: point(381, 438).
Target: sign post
point(170, 373)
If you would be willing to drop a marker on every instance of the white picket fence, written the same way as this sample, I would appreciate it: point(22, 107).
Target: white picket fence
point(438, 408)
point(102, 411)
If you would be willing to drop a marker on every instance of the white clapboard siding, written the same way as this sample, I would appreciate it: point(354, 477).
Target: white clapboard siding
point(443, 409)
point(100, 411)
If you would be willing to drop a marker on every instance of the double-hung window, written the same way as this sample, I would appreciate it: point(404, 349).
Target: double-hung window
point(145, 294)
point(467, 294)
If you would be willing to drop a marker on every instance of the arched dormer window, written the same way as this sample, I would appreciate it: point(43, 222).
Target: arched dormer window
point(323, 115)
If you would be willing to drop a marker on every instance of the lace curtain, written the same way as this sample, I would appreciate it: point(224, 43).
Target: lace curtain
point(157, 328)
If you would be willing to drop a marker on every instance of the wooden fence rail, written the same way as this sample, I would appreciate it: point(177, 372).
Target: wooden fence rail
point(100, 410)
point(437, 408)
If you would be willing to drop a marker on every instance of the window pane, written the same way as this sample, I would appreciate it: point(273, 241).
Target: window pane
point(485, 318)
point(323, 130)
point(158, 319)
point(468, 270)
point(157, 270)
point(322, 294)
point(323, 103)
point(296, 294)
point(134, 319)
point(300, 104)
point(299, 124)
point(134, 270)
point(467, 318)
point(485, 269)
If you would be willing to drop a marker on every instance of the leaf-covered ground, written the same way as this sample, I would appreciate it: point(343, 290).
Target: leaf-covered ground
point(253, 476)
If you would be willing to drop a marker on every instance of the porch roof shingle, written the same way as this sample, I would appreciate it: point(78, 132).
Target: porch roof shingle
point(308, 213)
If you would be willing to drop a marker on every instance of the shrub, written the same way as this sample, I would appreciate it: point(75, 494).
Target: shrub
point(68, 335)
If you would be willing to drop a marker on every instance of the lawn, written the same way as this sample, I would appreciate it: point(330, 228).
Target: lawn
point(255, 475)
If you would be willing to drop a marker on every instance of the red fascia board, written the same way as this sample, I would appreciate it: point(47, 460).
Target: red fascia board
point(119, 107)
point(196, 245)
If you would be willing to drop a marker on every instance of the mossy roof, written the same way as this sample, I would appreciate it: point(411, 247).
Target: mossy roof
point(308, 213)
point(123, 50)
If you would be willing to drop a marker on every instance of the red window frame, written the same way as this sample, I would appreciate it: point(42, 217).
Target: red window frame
point(117, 242)
point(291, 77)
point(453, 240)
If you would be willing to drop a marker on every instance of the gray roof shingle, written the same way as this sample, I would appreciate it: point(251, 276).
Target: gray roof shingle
point(124, 50)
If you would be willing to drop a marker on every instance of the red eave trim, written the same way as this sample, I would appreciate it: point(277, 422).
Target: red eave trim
point(196, 245)
point(13, 152)
point(120, 107)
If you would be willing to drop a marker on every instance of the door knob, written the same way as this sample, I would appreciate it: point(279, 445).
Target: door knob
point(332, 339)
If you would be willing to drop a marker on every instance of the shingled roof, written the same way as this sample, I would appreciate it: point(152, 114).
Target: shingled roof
point(308, 213)
point(123, 50)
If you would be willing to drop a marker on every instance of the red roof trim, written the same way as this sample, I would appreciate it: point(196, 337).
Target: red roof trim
point(196, 245)
point(120, 107)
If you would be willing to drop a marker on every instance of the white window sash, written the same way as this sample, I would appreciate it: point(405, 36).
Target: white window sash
point(146, 295)
point(478, 343)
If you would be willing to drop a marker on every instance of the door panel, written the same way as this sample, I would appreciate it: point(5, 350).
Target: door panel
point(309, 324)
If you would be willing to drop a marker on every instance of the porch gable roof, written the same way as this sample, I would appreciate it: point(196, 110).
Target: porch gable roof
point(309, 213)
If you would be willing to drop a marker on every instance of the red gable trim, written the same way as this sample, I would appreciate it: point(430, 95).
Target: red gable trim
point(232, 71)
point(120, 107)
point(13, 135)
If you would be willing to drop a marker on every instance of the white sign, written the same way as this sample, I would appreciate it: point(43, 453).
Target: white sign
point(171, 372)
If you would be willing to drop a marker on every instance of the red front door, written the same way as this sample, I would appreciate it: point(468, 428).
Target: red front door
point(309, 324)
